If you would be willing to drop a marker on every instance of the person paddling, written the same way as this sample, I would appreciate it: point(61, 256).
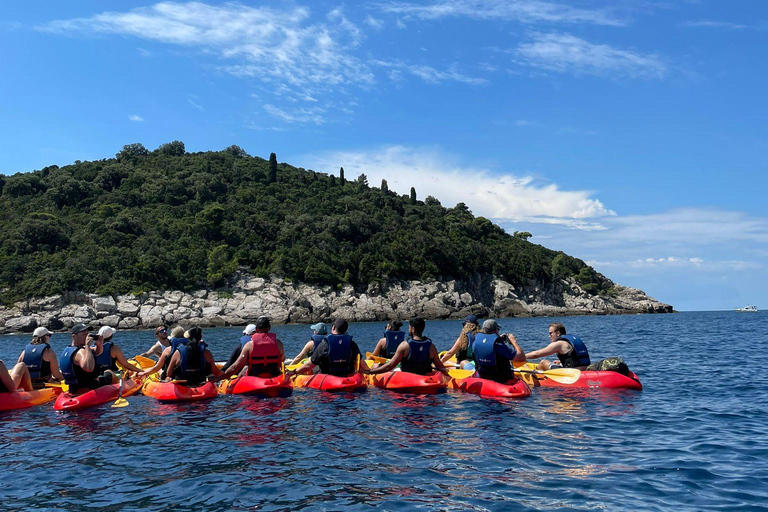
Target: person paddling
point(41, 359)
point(108, 355)
point(571, 351)
point(192, 362)
point(177, 339)
point(393, 337)
point(462, 347)
point(493, 358)
point(245, 338)
point(161, 333)
point(319, 332)
point(264, 354)
point(414, 356)
point(336, 355)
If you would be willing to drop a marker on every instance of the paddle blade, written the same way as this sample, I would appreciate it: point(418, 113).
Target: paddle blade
point(564, 375)
point(144, 362)
point(121, 402)
point(461, 374)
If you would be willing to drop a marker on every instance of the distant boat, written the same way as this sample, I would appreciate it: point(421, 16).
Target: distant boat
point(747, 309)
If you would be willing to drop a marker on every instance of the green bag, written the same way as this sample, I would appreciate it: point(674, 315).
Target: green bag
point(610, 364)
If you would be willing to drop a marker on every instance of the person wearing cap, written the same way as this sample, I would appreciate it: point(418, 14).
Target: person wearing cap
point(192, 362)
point(493, 358)
point(78, 363)
point(161, 333)
point(245, 338)
point(108, 355)
point(336, 355)
point(263, 353)
point(41, 359)
point(177, 339)
point(319, 332)
point(393, 337)
point(571, 351)
point(462, 348)
point(414, 356)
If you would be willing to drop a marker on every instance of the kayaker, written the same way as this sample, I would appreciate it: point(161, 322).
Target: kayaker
point(177, 338)
point(192, 362)
point(393, 337)
point(15, 380)
point(462, 347)
point(109, 355)
point(493, 358)
point(319, 332)
point(571, 351)
point(264, 354)
point(336, 355)
point(245, 338)
point(161, 333)
point(41, 359)
point(78, 363)
point(414, 356)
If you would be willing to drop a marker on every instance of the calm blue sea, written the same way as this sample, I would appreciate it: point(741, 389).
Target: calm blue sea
point(696, 438)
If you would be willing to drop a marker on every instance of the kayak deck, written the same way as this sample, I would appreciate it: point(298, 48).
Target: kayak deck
point(516, 388)
point(406, 382)
point(94, 397)
point(587, 379)
point(176, 392)
point(268, 387)
point(325, 382)
point(25, 399)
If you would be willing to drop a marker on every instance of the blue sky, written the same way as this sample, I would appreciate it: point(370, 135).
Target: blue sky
point(631, 134)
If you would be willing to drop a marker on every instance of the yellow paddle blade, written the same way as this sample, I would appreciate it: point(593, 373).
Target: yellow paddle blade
point(54, 384)
point(297, 365)
point(461, 374)
point(376, 359)
point(561, 375)
point(121, 402)
point(144, 362)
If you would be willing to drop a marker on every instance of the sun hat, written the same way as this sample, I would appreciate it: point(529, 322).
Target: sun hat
point(320, 328)
point(107, 331)
point(249, 329)
point(40, 332)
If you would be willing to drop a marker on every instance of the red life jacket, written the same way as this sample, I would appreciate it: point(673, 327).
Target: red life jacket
point(264, 349)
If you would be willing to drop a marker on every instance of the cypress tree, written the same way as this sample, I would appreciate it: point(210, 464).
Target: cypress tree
point(341, 175)
point(413, 195)
point(272, 168)
point(384, 186)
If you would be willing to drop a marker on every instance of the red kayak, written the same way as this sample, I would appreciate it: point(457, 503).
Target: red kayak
point(589, 379)
point(515, 388)
point(325, 382)
point(269, 387)
point(94, 397)
point(24, 399)
point(406, 382)
point(177, 392)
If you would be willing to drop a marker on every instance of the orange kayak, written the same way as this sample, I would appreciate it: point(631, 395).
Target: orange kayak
point(406, 382)
point(24, 399)
point(325, 382)
point(269, 387)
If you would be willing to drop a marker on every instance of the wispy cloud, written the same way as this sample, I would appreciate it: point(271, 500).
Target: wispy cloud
point(374, 23)
point(194, 104)
point(714, 24)
point(314, 115)
point(144, 52)
point(136, 118)
point(524, 11)
point(677, 263)
point(427, 73)
point(567, 53)
point(434, 172)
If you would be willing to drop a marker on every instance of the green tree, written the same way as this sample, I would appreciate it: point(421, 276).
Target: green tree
point(272, 168)
point(236, 151)
point(384, 186)
point(341, 176)
point(413, 195)
point(175, 148)
point(132, 152)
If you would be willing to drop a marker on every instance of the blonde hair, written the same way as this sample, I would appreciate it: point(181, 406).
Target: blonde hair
point(463, 338)
point(177, 332)
point(38, 340)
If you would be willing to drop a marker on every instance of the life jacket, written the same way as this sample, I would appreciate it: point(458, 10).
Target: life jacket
point(419, 359)
point(105, 361)
point(33, 358)
point(483, 349)
point(579, 356)
point(192, 369)
point(244, 339)
point(339, 354)
point(265, 354)
point(317, 338)
point(74, 376)
point(394, 339)
point(465, 354)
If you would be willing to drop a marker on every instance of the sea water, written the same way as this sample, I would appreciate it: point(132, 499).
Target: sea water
point(695, 438)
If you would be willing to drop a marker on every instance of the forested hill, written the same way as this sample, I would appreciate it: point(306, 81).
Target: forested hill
point(167, 219)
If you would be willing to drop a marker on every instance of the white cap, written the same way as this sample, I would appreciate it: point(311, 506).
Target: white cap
point(41, 331)
point(250, 329)
point(107, 331)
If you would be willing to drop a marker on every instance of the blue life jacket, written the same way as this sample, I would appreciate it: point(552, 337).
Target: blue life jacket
point(483, 349)
point(193, 370)
point(419, 359)
point(105, 361)
point(244, 339)
point(394, 339)
point(74, 376)
point(33, 358)
point(579, 356)
point(339, 354)
point(317, 338)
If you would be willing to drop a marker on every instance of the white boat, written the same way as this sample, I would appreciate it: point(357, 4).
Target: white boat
point(747, 309)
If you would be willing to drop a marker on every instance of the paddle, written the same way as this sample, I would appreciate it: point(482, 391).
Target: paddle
point(144, 362)
point(53, 384)
point(561, 375)
point(120, 402)
point(461, 374)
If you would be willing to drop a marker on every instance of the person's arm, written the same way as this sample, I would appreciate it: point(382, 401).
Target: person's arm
point(156, 350)
point(238, 365)
point(301, 355)
point(212, 363)
point(379, 347)
point(281, 348)
point(118, 354)
point(320, 352)
point(552, 348)
point(50, 356)
point(175, 361)
point(85, 359)
point(519, 354)
point(401, 353)
point(21, 356)
point(436, 360)
point(159, 364)
point(454, 350)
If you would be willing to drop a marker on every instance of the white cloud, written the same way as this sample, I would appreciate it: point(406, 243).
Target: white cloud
point(374, 23)
point(524, 11)
point(136, 118)
point(675, 264)
point(567, 53)
point(433, 172)
point(312, 115)
point(714, 24)
point(198, 107)
point(427, 73)
point(144, 52)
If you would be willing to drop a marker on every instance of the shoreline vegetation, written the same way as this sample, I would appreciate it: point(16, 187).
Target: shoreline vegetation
point(231, 234)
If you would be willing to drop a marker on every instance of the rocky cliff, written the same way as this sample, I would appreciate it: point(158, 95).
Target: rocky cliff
point(288, 302)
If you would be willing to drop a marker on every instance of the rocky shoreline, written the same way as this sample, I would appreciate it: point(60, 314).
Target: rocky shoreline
point(288, 302)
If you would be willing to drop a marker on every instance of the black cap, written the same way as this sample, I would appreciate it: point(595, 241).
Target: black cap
point(263, 323)
point(341, 325)
point(472, 319)
point(79, 328)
